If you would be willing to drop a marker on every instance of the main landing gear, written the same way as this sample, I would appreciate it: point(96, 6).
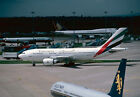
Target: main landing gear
point(33, 64)
point(69, 64)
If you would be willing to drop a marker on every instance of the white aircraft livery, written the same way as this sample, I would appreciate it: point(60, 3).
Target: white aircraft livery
point(24, 39)
point(61, 29)
point(94, 31)
point(69, 55)
point(63, 89)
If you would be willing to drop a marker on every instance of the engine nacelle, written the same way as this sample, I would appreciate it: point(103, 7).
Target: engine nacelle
point(49, 61)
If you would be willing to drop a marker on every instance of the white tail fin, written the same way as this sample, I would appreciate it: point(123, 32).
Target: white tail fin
point(113, 41)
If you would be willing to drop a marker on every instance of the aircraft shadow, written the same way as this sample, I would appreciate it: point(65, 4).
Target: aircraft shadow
point(79, 66)
point(104, 64)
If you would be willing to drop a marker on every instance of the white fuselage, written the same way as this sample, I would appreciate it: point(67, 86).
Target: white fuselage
point(94, 31)
point(63, 89)
point(23, 39)
point(74, 53)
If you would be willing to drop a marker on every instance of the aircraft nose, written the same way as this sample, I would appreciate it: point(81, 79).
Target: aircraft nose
point(20, 56)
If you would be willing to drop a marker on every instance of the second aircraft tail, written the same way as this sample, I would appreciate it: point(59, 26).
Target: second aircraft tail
point(118, 84)
point(59, 27)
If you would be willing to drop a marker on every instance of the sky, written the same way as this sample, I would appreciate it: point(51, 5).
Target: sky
point(23, 8)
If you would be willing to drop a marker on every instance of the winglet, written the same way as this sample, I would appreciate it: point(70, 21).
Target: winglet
point(118, 84)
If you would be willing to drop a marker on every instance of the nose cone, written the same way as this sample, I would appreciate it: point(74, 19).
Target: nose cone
point(20, 56)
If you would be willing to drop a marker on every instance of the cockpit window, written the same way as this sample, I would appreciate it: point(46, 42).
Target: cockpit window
point(23, 53)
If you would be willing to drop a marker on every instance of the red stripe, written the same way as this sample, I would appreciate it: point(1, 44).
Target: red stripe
point(103, 48)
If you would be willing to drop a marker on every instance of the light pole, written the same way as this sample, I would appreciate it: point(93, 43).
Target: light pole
point(32, 12)
point(74, 25)
point(105, 12)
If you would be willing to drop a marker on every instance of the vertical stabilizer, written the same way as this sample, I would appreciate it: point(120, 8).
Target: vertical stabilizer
point(113, 41)
point(59, 27)
point(118, 84)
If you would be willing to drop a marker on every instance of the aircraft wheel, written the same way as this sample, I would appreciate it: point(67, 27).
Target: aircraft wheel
point(69, 64)
point(33, 64)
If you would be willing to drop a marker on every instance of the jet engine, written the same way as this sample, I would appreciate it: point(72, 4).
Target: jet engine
point(49, 61)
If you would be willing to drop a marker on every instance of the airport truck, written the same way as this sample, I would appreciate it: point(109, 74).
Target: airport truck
point(9, 52)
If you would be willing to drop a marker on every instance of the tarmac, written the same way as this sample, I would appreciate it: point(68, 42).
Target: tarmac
point(23, 80)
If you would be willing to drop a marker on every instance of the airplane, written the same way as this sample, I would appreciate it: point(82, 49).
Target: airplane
point(51, 56)
point(26, 39)
point(63, 89)
point(101, 31)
